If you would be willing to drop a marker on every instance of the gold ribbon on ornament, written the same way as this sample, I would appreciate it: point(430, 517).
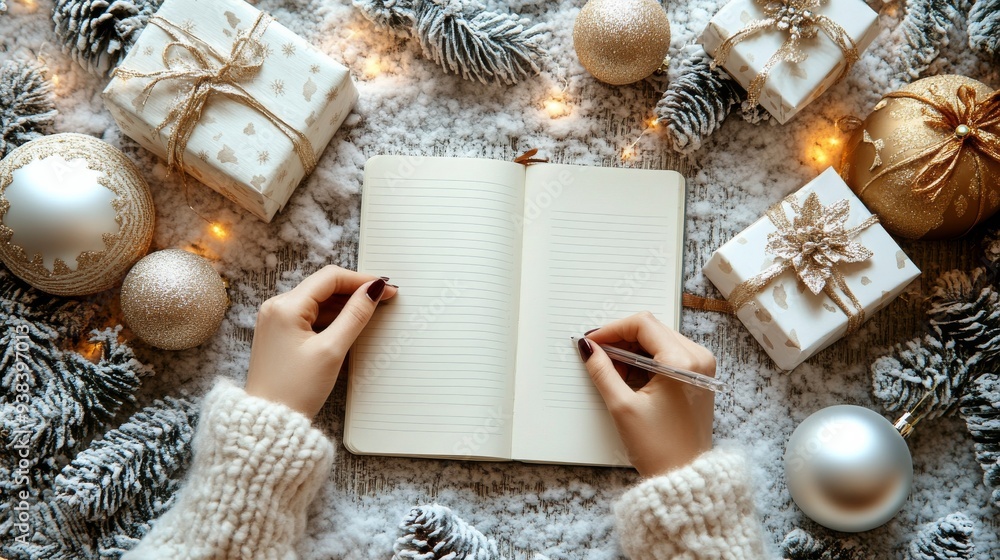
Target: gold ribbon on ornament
point(800, 21)
point(968, 123)
point(814, 243)
point(210, 73)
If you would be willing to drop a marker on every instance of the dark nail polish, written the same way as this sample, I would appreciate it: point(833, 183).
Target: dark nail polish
point(393, 285)
point(586, 351)
point(376, 289)
point(386, 278)
point(591, 330)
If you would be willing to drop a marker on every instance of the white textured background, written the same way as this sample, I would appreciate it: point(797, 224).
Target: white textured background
point(409, 106)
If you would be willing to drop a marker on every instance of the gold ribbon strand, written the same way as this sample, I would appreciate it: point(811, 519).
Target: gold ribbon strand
point(814, 243)
point(209, 73)
point(970, 123)
point(800, 21)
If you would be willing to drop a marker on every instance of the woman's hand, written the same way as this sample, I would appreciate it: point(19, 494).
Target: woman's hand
point(302, 338)
point(664, 424)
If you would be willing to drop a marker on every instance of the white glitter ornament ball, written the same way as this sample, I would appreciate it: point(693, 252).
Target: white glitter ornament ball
point(848, 468)
point(75, 214)
point(174, 299)
point(621, 41)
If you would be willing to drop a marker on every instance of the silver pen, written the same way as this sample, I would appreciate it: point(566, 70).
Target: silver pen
point(648, 364)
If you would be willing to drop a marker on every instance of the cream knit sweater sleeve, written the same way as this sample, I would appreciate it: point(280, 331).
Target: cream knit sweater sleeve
point(701, 511)
point(257, 466)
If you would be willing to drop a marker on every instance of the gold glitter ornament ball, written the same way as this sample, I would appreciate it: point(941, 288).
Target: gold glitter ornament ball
point(621, 41)
point(174, 299)
point(927, 159)
point(75, 214)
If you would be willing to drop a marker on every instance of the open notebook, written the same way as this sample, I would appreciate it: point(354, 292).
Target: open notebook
point(498, 265)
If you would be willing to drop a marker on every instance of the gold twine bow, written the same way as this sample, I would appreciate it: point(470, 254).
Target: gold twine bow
point(797, 18)
point(814, 243)
point(967, 123)
point(209, 73)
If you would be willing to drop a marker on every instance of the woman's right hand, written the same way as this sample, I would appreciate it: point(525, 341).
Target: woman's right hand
point(666, 423)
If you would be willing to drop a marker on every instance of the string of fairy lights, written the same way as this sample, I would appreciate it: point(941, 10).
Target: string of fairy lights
point(820, 150)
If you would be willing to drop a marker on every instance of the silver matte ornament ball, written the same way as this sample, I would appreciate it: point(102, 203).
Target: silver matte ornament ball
point(621, 41)
point(174, 299)
point(848, 468)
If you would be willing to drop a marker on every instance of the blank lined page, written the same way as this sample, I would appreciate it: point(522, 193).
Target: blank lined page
point(601, 244)
point(432, 374)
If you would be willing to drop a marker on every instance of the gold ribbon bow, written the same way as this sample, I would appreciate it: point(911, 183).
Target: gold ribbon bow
point(209, 73)
point(969, 125)
point(814, 243)
point(797, 18)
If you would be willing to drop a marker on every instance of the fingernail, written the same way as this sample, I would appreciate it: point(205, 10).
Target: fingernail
point(393, 285)
point(376, 289)
point(591, 330)
point(586, 351)
point(386, 278)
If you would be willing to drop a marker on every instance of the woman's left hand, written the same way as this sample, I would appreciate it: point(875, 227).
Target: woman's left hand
point(301, 340)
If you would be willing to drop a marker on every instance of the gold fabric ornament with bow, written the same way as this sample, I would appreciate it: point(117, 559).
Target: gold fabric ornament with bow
point(971, 125)
point(799, 20)
point(207, 73)
point(814, 244)
point(936, 173)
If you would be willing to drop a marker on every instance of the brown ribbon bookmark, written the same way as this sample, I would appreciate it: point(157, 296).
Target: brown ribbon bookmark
point(692, 301)
point(528, 158)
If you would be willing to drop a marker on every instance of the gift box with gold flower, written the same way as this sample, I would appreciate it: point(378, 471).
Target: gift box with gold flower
point(224, 92)
point(810, 271)
point(786, 53)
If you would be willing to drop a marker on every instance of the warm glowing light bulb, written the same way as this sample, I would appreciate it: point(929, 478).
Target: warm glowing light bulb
point(653, 122)
point(372, 67)
point(556, 107)
point(834, 141)
point(91, 351)
point(818, 154)
point(628, 153)
point(219, 231)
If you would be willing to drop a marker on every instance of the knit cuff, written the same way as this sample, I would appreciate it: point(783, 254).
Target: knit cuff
point(701, 511)
point(257, 466)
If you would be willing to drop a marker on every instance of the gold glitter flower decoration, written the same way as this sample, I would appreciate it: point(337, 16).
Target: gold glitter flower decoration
point(817, 240)
point(796, 17)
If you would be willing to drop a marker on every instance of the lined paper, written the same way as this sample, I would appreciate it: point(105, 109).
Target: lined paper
point(499, 266)
point(607, 245)
point(599, 269)
point(433, 372)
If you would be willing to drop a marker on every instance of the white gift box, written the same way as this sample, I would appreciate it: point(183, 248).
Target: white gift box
point(234, 148)
point(788, 320)
point(789, 86)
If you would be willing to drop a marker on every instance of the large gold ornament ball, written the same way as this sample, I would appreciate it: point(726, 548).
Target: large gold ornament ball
point(174, 299)
point(75, 214)
point(924, 165)
point(621, 41)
